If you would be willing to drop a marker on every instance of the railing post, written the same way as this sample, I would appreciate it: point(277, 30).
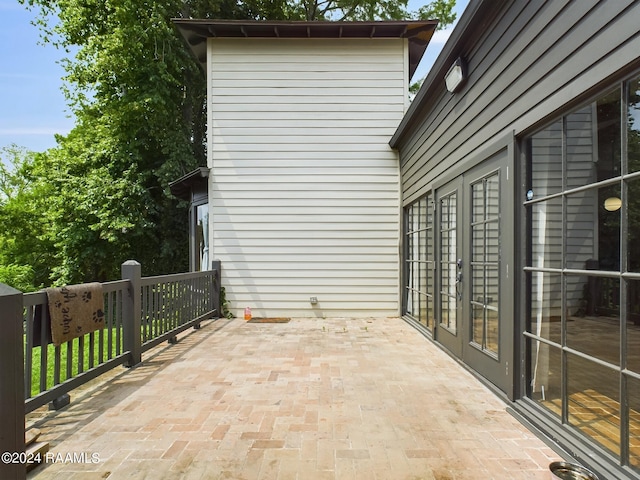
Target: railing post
point(132, 311)
point(12, 409)
point(215, 294)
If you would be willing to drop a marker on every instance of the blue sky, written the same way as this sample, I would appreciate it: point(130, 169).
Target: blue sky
point(32, 105)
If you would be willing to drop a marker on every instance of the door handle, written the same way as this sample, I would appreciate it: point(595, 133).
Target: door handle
point(459, 279)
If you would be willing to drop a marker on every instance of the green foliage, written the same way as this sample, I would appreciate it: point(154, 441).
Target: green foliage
point(338, 10)
point(138, 97)
point(71, 361)
point(19, 277)
point(12, 180)
point(415, 87)
point(442, 10)
point(98, 214)
point(24, 251)
point(101, 196)
point(225, 304)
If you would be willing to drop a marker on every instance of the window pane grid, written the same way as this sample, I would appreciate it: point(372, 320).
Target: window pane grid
point(448, 262)
point(419, 264)
point(583, 219)
point(484, 264)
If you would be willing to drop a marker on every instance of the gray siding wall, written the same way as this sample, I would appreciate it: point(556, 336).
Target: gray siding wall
point(525, 62)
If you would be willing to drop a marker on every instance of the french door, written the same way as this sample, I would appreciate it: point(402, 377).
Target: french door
point(449, 266)
point(474, 304)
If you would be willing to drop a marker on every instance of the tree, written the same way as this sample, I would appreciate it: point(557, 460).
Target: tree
point(24, 252)
point(340, 10)
point(139, 101)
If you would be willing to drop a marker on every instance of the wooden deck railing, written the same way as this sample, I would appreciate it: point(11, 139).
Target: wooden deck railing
point(139, 312)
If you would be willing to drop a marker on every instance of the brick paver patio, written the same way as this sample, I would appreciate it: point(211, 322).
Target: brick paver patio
point(310, 399)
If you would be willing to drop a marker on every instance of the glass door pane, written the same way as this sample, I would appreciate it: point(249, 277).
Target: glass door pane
point(419, 286)
point(201, 237)
point(485, 251)
point(448, 262)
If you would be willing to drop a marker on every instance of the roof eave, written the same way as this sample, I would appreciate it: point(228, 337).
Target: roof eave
point(465, 32)
point(181, 188)
point(197, 31)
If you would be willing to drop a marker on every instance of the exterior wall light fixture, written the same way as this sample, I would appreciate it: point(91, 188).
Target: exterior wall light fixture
point(456, 76)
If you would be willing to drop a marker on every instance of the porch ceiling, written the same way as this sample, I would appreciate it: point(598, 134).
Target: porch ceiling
point(196, 32)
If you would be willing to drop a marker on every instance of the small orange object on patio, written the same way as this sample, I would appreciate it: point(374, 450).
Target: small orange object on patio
point(247, 313)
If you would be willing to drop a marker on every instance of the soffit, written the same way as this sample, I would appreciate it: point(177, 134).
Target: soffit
point(196, 31)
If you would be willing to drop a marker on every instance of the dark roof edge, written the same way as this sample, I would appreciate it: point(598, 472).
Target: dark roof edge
point(417, 32)
point(470, 19)
point(180, 188)
point(320, 23)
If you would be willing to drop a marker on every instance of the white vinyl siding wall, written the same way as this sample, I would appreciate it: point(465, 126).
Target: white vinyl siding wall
point(304, 190)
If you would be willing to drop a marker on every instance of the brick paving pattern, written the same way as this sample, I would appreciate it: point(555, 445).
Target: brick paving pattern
point(338, 399)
